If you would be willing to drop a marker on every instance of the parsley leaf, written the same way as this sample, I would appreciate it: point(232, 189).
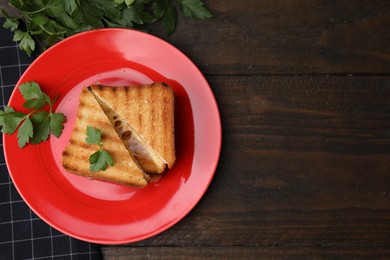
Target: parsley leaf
point(57, 123)
point(35, 97)
point(70, 6)
point(164, 10)
point(10, 120)
point(46, 123)
point(101, 159)
point(137, 14)
point(94, 136)
point(26, 44)
point(194, 9)
point(25, 132)
point(11, 24)
point(41, 122)
point(44, 23)
point(127, 2)
point(37, 125)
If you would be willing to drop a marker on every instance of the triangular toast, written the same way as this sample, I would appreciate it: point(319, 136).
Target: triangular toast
point(75, 157)
point(148, 113)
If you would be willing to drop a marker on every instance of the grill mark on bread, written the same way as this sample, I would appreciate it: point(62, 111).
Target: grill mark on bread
point(76, 128)
point(100, 176)
point(116, 95)
point(78, 143)
point(166, 118)
point(125, 97)
point(144, 110)
point(76, 170)
point(130, 103)
point(140, 114)
point(126, 136)
point(153, 124)
point(86, 107)
point(160, 116)
point(94, 123)
point(121, 169)
point(134, 111)
point(75, 156)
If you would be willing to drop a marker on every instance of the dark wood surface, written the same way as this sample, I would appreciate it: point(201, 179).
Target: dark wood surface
point(303, 89)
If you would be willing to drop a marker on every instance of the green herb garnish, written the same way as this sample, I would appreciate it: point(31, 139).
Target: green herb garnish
point(101, 159)
point(37, 125)
point(45, 22)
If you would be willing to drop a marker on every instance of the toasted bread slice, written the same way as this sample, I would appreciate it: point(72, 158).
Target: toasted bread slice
point(75, 158)
point(134, 143)
point(148, 113)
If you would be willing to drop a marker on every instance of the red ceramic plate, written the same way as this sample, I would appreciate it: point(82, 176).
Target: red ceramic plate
point(103, 212)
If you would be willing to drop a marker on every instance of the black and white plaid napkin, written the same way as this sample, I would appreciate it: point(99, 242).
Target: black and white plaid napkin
point(23, 235)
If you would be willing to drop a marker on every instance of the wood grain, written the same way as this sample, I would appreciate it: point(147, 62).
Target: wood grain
point(304, 170)
point(239, 252)
point(288, 37)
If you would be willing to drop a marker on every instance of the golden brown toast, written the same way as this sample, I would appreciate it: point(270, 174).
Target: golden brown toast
point(148, 113)
point(75, 158)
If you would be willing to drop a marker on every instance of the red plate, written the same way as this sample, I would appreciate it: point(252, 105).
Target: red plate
point(102, 212)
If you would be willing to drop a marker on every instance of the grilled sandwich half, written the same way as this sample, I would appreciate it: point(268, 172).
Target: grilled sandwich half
point(75, 158)
point(143, 117)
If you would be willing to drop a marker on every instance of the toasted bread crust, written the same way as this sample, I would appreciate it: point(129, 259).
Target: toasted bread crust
point(149, 110)
point(75, 158)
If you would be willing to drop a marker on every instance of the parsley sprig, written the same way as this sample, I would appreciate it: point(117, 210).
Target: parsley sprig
point(36, 125)
point(45, 22)
point(100, 159)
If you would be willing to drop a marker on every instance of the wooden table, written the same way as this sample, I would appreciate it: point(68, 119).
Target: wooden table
point(303, 89)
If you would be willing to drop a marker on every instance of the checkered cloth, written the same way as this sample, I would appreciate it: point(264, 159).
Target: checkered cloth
point(23, 235)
